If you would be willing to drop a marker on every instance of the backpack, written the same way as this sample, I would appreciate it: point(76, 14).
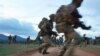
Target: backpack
point(42, 23)
point(45, 25)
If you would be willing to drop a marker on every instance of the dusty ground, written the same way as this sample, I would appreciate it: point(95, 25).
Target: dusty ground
point(54, 51)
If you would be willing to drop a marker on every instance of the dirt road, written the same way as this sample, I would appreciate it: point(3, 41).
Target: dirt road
point(54, 51)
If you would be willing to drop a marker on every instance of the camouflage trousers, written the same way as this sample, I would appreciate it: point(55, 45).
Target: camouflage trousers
point(71, 40)
point(46, 44)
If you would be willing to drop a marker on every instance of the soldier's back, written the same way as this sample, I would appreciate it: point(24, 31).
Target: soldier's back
point(66, 8)
point(64, 13)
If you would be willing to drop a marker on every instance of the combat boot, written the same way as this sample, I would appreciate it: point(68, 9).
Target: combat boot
point(63, 51)
point(45, 52)
point(40, 50)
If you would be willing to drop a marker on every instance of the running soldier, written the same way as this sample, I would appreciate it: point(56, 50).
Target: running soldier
point(46, 32)
point(67, 19)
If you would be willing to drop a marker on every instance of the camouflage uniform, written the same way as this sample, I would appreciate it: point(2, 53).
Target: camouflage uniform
point(67, 18)
point(14, 39)
point(10, 39)
point(46, 32)
point(38, 39)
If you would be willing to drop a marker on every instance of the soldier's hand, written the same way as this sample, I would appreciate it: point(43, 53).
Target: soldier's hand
point(80, 16)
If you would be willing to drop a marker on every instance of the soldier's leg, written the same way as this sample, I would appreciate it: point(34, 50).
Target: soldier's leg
point(75, 40)
point(71, 47)
point(42, 47)
point(70, 43)
point(46, 48)
point(65, 47)
point(8, 41)
point(47, 43)
point(85, 43)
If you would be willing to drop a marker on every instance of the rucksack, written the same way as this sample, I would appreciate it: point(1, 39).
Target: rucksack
point(41, 24)
point(45, 25)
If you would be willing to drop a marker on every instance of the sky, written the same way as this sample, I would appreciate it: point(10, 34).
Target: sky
point(21, 17)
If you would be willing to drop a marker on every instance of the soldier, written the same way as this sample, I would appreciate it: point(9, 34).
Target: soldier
point(28, 40)
point(85, 40)
point(46, 32)
point(14, 39)
point(67, 18)
point(54, 39)
point(9, 39)
point(61, 40)
point(71, 14)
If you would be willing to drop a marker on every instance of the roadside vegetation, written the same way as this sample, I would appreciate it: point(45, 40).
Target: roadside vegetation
point(8, 49)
